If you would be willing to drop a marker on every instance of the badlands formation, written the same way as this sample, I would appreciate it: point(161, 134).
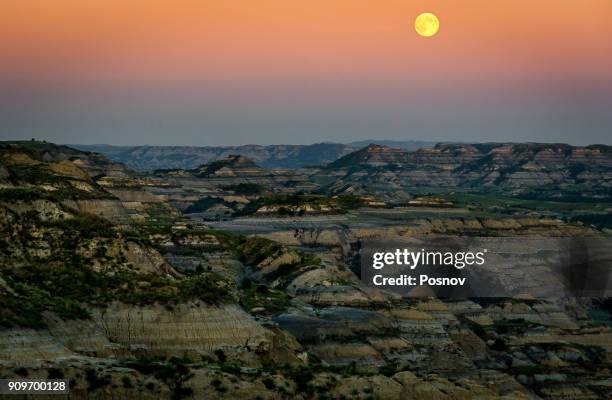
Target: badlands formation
point(231, 280)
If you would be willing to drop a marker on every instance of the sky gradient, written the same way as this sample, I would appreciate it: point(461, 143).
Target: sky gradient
point(216, 72)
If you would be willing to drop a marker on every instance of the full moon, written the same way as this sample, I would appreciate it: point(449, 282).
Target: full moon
point(427, 24)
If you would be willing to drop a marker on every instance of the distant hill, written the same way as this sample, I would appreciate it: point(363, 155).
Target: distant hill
point(534, 169)
point(372, 155)
point(149, 158)
point(239, 173)
point(402, 144)
point(92, 162)
point(145, 158)
point(234, 165)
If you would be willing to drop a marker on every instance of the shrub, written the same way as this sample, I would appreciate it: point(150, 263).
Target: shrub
point(87, 226)
point(230, 369)
point(204, 204)
point(246, 189)
point(221, 355)
point(20, 194)
point(174, 373)
point(260, 296)
point(499, 345)
point(302, 376)
point(268, 383)
point(256, 249)
point(388, 369)
point(127, 382)
point(55, 373)
point(95, 381)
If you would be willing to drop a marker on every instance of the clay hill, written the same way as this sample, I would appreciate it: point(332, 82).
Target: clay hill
point(577, 171)
point(233, 165)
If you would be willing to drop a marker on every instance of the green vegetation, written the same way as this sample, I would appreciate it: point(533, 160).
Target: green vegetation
point(294, 204)
point(268, 383)
point(21, 194)
point(601, 311)
point(55, 373)
point(95, 381)
point(597, 220)
point(126, 382)
point(173, 372)
point(220, 355)
point(497, 201)
point(160, 220)
point(86, 226)
point(361, 336)
point(85, 265)
point(30, 178)
point(246, 189)
point(230, 240)
point(578, 193)
point(499, 345)
point(67, 278)
point(33, 144)
point(214, 166)
point(218, 385)
point(60, 194)
point(21, 371)
point(66, 288)
point(303, 375)
point(36, 174)
point(24, 305)
point(255, 250)
point(499, 301)
point(389, 369)
point(207, 202)
point(517, 326)
point(260, 296)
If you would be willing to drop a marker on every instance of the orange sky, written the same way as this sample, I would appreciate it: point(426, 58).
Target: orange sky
point(321, 39)
point(270, 71)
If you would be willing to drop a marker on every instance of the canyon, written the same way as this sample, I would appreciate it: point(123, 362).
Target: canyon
point(233, 278)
